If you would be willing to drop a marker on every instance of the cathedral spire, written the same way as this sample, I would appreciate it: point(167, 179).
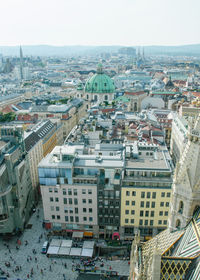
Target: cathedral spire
point(186, 184)
point(21, 63)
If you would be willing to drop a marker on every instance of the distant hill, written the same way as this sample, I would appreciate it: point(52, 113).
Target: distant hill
point(46, 50)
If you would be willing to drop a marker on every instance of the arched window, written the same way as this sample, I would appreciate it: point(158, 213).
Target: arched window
point(106, 97)
point(178, 224)
point(135, 107)
point(95, 98)
point(87, 96)
point(180, 209)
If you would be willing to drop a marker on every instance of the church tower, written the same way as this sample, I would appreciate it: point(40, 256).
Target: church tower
point(21, 64)
point(186, 185)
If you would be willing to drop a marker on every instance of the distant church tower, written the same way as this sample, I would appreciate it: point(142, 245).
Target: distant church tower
point(21, 63)
point(186, 185)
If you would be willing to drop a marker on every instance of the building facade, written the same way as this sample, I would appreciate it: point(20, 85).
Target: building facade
point(16, 191)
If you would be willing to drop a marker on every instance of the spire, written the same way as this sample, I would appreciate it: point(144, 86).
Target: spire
point(21, 63)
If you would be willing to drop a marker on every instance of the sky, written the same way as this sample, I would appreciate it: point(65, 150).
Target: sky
point(99, 22)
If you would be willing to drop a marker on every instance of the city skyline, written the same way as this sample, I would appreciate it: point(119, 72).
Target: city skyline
point(132, 23)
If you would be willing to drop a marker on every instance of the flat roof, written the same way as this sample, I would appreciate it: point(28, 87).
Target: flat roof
point(150, 163)
point(66, 243)
point(87, 252)
point(64, 251)
point(75, 251)
point(53, 250)
point(56, 242)
point(77, 234)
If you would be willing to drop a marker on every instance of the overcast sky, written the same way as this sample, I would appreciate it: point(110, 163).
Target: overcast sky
point(102, 22)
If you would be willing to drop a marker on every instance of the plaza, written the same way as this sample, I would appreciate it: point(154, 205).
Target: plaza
point(21, 257)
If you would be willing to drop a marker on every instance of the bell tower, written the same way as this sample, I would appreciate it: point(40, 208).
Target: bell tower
point(186, 184)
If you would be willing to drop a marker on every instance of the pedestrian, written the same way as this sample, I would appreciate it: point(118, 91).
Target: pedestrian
point(50, 268)
point(27, 275)
point(35, 259)
point(41, 271)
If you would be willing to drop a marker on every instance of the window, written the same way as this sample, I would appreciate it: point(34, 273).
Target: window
point(50, 190)
point(154, 195)
point(65, 200)
point(55, 190)
point(160, 222)
point(71, 218)
point(64, 192)
point(90, 201)
point(127, 202)
point(146, 222)
point(161, 213)
point(167, 204)
point(152, 213)
point(56, 199)
point(57, 208)
point(141, 222)
point(76, 210)
point(65, 210)
point(85, 219)
point(133, 193)
point(162, 194)
point(166, 213)
point(152, 204)
point(52, 208)
point(132, 221)
point(65, 180)
point(84, 210)
point(84, 200)
point(126, 221)
point(127, 193)
point(142, 204)
point(69, 191)
point(142, 194)
point(161, 204)
point(146, 213)
point(70, 200)
point(53, 217)
point(51, 199)
point(75, 201)
point(168, 194)
point(148, 195)
point(141, 213)
point(147, 204)
point(126, 212)
point(133, 203)
point(66, 219)
point(83, 191)
point(90, 210)
point(165, 222)
point(90, 219)
point(77, 219)
point(58, 217)
point(75, 192)
point(151, 222)
point(132, 212)
point(89, 191)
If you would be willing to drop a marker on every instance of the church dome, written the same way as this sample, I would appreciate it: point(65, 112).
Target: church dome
point(100, 83)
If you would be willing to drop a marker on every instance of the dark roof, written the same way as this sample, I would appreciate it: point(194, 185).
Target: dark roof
point(31, 140)
point(44, 128)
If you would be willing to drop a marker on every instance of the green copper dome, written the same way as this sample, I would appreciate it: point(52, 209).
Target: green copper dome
point(100, 83)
